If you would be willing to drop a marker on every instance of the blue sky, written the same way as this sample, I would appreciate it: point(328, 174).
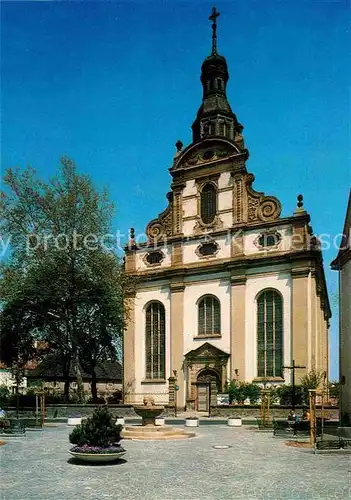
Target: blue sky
point(113, 85)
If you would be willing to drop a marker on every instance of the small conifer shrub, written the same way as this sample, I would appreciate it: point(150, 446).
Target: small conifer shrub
point(97, 434)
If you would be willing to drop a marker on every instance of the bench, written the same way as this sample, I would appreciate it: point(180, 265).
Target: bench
point(11, 427)
point(333, 444)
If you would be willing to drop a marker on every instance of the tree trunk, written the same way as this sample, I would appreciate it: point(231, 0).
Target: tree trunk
point(66, 366)
point(93, 384)
point(79, 378)
point(66, 389)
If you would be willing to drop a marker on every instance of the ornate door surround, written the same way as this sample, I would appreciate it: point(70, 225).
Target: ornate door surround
point(199, 364)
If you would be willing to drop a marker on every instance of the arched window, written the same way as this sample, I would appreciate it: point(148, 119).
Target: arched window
point(209, 316)
point(269, 334)
point(208, 203)
point(155, 336)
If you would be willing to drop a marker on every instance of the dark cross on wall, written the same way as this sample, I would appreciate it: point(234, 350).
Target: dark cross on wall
point(293, 368)
point(213, 18)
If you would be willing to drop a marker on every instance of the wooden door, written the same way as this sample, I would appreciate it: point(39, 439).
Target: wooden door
point(202, 397)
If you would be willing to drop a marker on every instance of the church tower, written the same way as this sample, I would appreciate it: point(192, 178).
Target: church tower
point(227, 288)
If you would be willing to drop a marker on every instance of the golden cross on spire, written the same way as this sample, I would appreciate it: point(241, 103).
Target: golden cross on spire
point(213, 18)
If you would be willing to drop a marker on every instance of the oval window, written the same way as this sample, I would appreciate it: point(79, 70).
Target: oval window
point(154, 257)
point(207, 249)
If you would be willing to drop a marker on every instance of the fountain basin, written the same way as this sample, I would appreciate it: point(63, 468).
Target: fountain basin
point(148, 413)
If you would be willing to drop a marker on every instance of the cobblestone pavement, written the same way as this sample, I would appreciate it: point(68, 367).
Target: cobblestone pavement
point(257, 466)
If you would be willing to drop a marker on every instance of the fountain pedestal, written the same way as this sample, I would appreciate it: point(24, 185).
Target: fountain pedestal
point(149, 430)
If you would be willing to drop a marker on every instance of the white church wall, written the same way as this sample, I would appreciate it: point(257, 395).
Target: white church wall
point(192, 293)
point(225, 180)
point(227, 219)
point(190, 188)
point(281, 281)
point(225, 200)
point(190, 207)
point(251, 236)
point(162, 294)
point(141, 254)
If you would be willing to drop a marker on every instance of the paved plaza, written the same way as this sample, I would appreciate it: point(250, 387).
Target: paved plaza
point(256, 466)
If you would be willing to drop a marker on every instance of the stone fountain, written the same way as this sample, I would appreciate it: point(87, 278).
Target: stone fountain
point(148, 430)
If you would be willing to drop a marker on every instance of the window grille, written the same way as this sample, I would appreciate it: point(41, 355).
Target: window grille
point(208, 202)
point(209, 316)
point(269, 334)
point(269, 239)
point(155, 341)
point(207, 249)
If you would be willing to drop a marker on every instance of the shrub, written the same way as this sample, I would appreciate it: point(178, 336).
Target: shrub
point(4, 395)
point(96, 401)
point(116, 397)
point(99, 430)
point(240, 391)
point(285, 394)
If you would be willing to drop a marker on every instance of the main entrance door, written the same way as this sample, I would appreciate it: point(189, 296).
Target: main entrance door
point(204, 379)
point(202, 397)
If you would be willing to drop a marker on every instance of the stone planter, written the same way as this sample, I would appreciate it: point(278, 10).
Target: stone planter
point(120, 421)
point(234, 422)
point(74, 420)
point(97, 457)
point(159, 421)
point(191, 422)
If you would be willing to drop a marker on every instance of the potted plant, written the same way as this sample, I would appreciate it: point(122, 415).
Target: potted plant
point(234, 421)
point(97, 438)
point(191, 422)
point(120, 420)
point(74, 419)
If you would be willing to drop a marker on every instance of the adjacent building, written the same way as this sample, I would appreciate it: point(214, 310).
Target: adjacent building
point(342, 264)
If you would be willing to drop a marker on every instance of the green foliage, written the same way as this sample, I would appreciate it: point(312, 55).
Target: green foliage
point(62, 284)
point(334, 390)
point(313, 379)
point(285, 395)
point(4, 395)
point(240, 391)
point(98, 430)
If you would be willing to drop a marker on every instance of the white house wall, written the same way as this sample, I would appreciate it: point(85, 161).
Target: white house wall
point(345, 335)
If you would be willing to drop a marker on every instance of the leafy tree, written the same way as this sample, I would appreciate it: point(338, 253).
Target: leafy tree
point(334, 390)
point(62, 281)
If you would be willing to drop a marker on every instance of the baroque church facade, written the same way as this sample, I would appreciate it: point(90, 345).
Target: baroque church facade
point(227, 288)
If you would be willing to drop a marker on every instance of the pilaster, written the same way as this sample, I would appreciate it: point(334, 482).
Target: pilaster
point(238, 305)
point(299, 316)
point(129, 351)
point(177, 334)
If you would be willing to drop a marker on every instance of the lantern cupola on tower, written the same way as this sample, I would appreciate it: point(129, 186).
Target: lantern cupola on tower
point(215, 117)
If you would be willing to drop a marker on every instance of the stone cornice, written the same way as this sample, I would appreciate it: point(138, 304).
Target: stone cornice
point(246, 226)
